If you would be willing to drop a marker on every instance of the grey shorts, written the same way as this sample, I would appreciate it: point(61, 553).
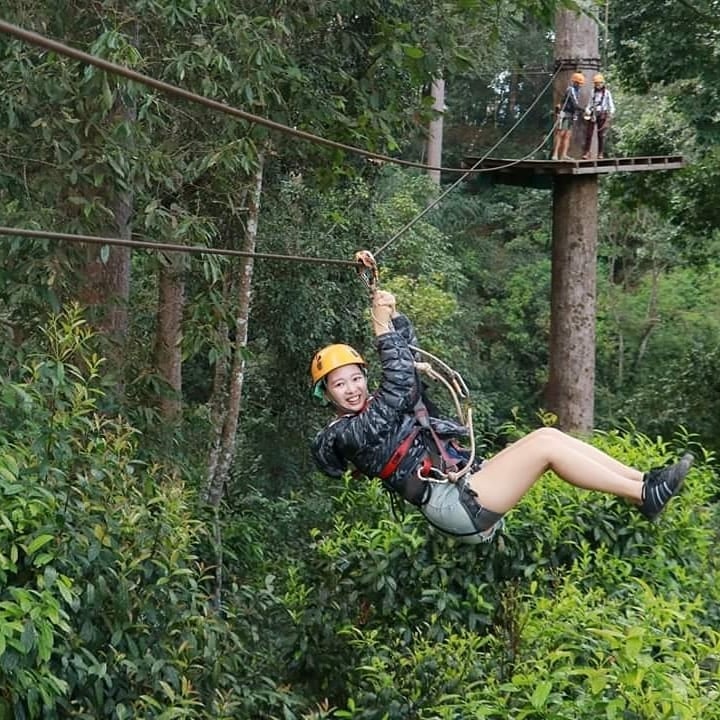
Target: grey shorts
point(454, 509)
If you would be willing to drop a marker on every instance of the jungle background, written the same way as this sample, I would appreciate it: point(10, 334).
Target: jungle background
point(167, 549)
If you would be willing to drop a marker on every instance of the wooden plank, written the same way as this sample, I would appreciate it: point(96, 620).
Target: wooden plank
point(527, 172)
point(606, 166)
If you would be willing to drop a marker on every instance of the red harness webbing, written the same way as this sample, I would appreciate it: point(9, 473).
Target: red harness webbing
point(445, 460)
point(400, 452)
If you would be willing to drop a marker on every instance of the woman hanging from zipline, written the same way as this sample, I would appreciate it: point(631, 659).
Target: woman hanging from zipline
point(390, 435)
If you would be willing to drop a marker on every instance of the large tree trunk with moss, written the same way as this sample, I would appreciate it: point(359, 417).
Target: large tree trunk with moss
point(570, 392)
point(222, 453)
point(571, 385)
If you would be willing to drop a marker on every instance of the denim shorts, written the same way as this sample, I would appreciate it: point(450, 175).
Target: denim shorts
point(453, 508)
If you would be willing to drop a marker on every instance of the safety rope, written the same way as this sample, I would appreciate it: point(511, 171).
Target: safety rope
point(455, 385)
point(475, 169)
point(366, 267)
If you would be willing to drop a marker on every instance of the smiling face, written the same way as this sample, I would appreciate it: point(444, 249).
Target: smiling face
point(346, 388)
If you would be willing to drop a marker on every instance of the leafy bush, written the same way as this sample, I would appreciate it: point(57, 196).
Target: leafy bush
point(106, 608)
point(658, 347)
point(581, 609)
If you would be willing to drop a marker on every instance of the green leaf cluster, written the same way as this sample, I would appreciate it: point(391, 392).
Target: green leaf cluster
point(580, 609)
point(106, 606)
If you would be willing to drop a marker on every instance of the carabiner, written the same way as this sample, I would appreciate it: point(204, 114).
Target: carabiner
point(367, 269)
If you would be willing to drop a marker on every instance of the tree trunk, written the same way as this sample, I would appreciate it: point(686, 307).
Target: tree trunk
point(571, 386)
point(105, 292)
point(218, 402)
point(106, 287)
point(222, 456)
point(570, 392)
point(219, 396)
point(435, 131)
point(653, 318)
point(168, 340)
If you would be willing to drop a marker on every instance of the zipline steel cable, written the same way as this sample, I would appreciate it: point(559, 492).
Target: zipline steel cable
point(34, 38)
point(108, 66)
point(166, 247)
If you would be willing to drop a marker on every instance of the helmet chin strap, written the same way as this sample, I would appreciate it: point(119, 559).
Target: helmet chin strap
point(319, 391)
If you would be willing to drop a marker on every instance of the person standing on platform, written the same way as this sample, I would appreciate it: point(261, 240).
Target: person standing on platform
point(567, 116)
point(598, 115)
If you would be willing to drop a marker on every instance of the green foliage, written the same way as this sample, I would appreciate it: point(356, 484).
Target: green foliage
point(657, 343)
point(581, 609)
point(651, 125)
point(666, 41)
point(676, 75)
point(625, 656)
point(693, 210)
point(503, 305)
point(106, 606)
point(31, 613)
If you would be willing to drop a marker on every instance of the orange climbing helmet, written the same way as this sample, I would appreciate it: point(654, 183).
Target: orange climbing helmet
point(578, 77)
point(598, 79)
point(330, 358)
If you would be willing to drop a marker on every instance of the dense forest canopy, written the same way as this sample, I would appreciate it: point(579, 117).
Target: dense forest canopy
point(167, 548)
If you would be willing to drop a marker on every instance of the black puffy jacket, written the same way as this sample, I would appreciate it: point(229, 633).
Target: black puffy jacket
point(369, 438)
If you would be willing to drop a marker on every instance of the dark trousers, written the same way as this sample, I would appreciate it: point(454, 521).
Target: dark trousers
point(600, 124)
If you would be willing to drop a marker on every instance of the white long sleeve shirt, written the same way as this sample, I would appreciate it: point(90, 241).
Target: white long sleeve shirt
point(602, 101)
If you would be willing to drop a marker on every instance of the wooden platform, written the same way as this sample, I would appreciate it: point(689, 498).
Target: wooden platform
point(540, 173)
point(581, 167)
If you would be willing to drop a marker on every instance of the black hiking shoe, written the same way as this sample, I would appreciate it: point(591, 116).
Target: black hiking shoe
point(661, 484)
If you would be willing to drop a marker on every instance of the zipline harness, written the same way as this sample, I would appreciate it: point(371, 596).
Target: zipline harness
point(446, 462)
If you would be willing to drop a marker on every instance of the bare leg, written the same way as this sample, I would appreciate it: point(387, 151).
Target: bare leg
point(565, 144)
point(558, 143)
point(507, 476)
point(582, 447)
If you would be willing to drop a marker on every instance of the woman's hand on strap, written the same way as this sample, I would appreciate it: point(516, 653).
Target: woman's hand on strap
point(383, 310)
